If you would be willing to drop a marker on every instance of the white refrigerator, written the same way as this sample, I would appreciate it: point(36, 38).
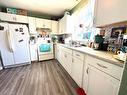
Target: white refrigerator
point(14, 44)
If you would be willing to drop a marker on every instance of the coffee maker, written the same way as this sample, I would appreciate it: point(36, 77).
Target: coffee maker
point(98, 42)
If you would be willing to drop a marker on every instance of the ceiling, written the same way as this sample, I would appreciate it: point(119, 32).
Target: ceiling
point(50, 7)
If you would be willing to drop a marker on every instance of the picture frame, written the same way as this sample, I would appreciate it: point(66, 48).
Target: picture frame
point(116, 31)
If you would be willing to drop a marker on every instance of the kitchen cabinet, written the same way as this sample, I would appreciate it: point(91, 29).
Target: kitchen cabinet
point(65, 25)
point(54, 27)
point(100, 77)
point(77, 67)
point(20, 18)
point(1, 67)
point(100, 83)
point(72, 61)
point(109, 12)
point(61, 26)
point(39, 22)
point(67, 59)
point(33, 52)
point(59, 54)
point(32, 25)
point(55, 50)
point(13, 18)
point(85, 76)
point(47, 23)
point(43, 23)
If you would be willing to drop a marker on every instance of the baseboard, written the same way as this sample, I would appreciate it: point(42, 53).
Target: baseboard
point(16, 65)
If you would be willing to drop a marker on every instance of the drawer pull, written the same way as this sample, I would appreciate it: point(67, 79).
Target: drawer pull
point(65, 55)
point(77, 55)
point(102, 66)
point(87, 70)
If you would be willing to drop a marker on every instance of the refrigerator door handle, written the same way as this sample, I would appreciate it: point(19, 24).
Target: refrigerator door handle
point(10, 42)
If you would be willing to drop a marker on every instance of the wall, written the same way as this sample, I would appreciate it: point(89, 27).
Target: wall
point(123, 86)
point(39, 15)
point(46, 16)
point(81, 4)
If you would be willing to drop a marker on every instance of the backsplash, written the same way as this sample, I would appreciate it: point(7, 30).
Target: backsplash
point(108, 31)
point(116, 36)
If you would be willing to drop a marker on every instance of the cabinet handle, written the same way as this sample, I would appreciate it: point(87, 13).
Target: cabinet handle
point(77, 55)
point(15, 19)
point(94, 20)
point(72, 60)
point(65, 55)
point(87, 70)
point(102, 66)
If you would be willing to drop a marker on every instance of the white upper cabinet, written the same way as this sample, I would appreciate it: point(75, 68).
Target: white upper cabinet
point(20, 18)
point(39, 22)
point(109, 12)
point(43, 23)
point(65, 25)
point(32, 25)
point(47, 23)
point(54, 27)
point(13, 17)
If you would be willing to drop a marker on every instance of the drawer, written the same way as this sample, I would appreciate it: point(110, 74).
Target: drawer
point(66, 50)
point(78, 55)
point(109, 68)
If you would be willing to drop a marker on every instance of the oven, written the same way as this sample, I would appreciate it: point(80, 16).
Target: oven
point(45, 51)
point(45, 48)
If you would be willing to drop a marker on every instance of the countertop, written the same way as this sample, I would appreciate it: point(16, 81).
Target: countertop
point(103, 55)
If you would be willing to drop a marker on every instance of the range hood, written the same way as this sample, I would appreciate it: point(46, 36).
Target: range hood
point(43, 29)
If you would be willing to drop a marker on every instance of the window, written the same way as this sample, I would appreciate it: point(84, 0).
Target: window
point(83, 27)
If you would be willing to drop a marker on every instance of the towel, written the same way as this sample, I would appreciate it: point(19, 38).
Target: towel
point(80, 91)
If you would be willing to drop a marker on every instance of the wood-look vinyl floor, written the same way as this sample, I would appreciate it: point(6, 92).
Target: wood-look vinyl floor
point(39, 78)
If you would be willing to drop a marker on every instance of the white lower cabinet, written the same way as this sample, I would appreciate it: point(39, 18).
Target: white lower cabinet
point(67, 62)
point(100, 77)
point(100, 83)
point(66, 59)
point(33, 52)
point(95, 76)
point(77, 70)
point(85, 78)
point(58, 55)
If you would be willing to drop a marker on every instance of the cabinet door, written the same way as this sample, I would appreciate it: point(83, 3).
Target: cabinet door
point(77, 70)
point(20, 18)
point(109, 12)
point(85, 77)
point(8, 17)
point(67, 62)
point(13, 18)
point(62, 58)
point(39, 23)
point(47, 23)
point(59, 54)
point(100, 83)
point(69, 25)
point(33, 52)
point(54, 27)
point(61, 26)
point(32, 25)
